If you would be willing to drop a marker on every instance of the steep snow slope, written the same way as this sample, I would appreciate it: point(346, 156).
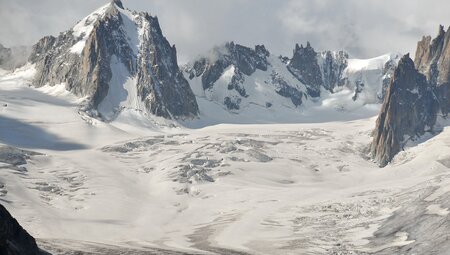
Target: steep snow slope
point(225, 189)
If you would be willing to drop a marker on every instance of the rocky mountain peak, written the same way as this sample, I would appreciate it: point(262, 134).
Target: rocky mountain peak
point(118, 3)
point(408, 111)
point(120, 61)
point(245, 60)
point(419, 92)
point(432, 57)
point(305, 67)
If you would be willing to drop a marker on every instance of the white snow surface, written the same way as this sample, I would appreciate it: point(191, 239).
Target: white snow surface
point(122, 92)
point(299, 188)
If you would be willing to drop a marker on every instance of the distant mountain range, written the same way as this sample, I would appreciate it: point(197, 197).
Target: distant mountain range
point(119, 60)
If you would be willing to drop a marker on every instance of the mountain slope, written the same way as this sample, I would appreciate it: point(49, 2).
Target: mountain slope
point(119, 60)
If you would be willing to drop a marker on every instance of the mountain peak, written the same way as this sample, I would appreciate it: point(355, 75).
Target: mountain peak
point(111, 52)
point(118, 3)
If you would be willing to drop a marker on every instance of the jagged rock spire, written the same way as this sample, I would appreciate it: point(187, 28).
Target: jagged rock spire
point(118, 3)
point(305, 68)
point(408, 111)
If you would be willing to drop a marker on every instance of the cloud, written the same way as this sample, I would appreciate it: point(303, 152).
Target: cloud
point(364, 28)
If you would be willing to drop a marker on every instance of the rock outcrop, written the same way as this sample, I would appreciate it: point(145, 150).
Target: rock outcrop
point(14, 240)
point(408, 111)
point(419, 92)
point(305, 67)
point(333, 64)
point(230, 74)
point(245, 60)
point(119, 59)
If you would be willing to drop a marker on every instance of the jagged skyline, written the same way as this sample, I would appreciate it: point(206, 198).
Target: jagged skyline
point(363, 28)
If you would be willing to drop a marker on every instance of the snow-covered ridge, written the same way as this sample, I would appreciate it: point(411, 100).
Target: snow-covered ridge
point(221, 81)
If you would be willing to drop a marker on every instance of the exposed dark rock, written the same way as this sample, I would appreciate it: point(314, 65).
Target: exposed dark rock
point(244, 59)
point(408, 111)
point(305, 67)
point(388, 72)
point(14, 240)
point(245, 62)
point(118, 3)
point(161, 85)
point(433, 60)
point(285, 90)
point(432, 57)
point(232, 103)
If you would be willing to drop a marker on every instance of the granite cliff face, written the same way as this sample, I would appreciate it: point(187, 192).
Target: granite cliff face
point(119, 60)
point(418, 93)
point(432, 57)
point(332, 65)
point(14, 240)
point(408, 111)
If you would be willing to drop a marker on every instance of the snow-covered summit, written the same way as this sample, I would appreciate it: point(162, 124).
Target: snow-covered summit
point(118, 59)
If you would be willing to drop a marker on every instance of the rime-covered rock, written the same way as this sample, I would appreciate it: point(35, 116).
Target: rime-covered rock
point(119, 59)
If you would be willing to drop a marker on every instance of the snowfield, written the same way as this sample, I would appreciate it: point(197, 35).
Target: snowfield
point(145, 187)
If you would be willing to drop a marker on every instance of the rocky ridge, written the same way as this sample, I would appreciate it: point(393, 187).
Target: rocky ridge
point(418, 94)
point(228, 73)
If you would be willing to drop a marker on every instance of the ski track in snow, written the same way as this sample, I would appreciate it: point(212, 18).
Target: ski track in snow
point(305, 188)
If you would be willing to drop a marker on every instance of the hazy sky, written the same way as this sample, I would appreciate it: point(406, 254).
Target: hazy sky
point(364, 28)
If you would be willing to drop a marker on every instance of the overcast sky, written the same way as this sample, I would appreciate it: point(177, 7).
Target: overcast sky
point(364, 28)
